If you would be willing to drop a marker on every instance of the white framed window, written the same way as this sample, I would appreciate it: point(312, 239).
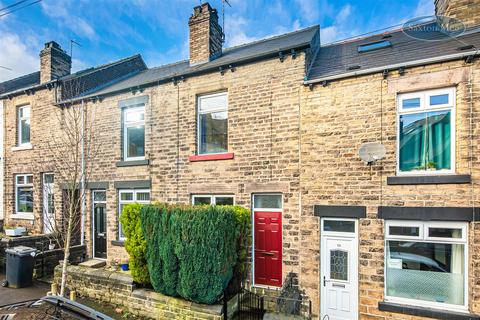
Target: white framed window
point(426, 264)
point(24, 196)
point(426, 132)
point(219, 200)
point(126, 196)
point(23, 121)
point(134, 133)
point(212, 123)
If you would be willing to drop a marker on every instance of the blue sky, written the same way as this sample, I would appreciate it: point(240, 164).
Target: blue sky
point(113, 29)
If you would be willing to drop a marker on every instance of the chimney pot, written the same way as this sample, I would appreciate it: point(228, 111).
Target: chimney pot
point(54, 62)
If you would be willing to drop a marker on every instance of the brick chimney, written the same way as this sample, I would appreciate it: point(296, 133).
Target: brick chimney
point(54, 62)
point(467, 11)
point(205, 34)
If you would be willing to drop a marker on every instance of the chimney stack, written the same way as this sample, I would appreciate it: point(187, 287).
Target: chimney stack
point(54, 62)
point(205, 34)
point(467, 11)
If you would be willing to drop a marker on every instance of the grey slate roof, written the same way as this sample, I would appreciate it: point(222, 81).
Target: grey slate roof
point(235, 55)
point(88, 79)
point(334, 60)
point(20, 82)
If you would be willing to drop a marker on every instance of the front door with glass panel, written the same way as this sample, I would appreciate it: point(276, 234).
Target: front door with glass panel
point(339, 269)
point(99, 225)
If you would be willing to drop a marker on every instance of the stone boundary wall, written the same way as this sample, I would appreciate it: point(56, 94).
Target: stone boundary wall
point(47, 260)
point(118, 289)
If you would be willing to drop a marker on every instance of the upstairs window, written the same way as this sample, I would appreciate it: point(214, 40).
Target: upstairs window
point(24, 194)
point(212, 124)
point(23, 126)
point(134, 133)
point(426, 131)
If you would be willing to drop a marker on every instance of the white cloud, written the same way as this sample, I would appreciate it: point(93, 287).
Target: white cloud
point(309, 10)
point(424, 8)
point(343, 26)
point(76, 24)
point(17, 56)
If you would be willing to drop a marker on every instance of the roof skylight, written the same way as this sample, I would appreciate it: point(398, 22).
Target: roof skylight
point(374, 46)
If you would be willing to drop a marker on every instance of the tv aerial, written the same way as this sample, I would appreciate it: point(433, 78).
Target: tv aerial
point(371, 152)
point(223, 18)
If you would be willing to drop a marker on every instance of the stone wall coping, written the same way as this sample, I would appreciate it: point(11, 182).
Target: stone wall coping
point(102, 274)
point(8, 239)
point(153, 296)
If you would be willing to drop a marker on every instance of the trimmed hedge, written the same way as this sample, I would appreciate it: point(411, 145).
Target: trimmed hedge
point(192, 250)
point(135, 243)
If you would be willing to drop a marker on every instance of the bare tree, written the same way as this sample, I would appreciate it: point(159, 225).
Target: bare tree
point(71, 151)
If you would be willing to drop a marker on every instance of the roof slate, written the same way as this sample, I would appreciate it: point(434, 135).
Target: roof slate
point(20, 82)
point(336, 59)
point(234, 55)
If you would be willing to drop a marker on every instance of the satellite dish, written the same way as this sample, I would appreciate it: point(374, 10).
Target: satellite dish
point(371, 152)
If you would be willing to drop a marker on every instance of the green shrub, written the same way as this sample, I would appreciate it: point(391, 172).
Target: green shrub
point(244, 241)
point(135, 243)
point(191, 250)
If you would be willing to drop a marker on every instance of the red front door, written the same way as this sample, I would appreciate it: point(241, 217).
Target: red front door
point(268, 248)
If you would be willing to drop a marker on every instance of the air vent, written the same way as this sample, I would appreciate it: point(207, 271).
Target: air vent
point(354, 67)
point(374, 46)
point(387, 36)
point(467, 47)
point(7, 316)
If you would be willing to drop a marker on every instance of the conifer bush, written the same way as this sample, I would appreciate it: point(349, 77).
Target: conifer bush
point(135, 243)
point(192, 251)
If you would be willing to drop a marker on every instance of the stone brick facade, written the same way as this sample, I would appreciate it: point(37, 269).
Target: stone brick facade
point(468, 11)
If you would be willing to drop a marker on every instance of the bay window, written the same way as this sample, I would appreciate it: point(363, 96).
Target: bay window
point(127, 196)
point(24, 195)
point(426, 263)
point(23, 125)
point(426, 131)
point(213, 200)
point(212, 124)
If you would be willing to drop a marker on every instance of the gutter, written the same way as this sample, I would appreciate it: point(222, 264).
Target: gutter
point(34, 87)
point(455, 56)
point(198, 71)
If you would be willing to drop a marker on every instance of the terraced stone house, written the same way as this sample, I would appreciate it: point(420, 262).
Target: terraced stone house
point(276, 125)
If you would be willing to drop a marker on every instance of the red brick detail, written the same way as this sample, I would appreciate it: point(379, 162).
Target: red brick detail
point(211, 157)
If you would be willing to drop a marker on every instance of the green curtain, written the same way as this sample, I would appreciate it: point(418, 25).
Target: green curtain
point(425, 141)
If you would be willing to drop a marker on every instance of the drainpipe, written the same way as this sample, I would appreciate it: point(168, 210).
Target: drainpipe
point(82, 174)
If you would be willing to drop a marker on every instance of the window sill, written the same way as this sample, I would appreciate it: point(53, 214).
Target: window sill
point(425, 312)
point(132, 163)
point(211, 157)
point(23, 147)
point(431, 179)
point(22, 216)
point(118, 243)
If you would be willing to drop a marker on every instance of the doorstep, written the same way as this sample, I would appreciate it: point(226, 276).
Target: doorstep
point(93, 263)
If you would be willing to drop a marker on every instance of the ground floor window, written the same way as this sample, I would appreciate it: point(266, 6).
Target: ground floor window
point(24, 194)
point(219, 200)
point(426, 263)
point(127, 196)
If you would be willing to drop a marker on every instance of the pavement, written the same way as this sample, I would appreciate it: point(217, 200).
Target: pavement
point(10, 295)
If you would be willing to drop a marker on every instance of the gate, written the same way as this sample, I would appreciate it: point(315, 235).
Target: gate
point(250, 306)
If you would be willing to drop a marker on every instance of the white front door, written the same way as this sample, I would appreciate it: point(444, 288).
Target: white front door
point(48, 204)
point(339, 269)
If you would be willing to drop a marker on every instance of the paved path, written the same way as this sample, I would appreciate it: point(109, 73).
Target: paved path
point(10, 295)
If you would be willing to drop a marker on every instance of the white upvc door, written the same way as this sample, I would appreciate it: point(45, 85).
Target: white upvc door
point(339, 274)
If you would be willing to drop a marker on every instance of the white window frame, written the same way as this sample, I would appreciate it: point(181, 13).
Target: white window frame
point(19, 125)
point(426, 107)
point(127, 124)
point(213, 110)
point(253, 233)
point(134, 200)
point(424, 238)
point(213, 197)
point(22, 215)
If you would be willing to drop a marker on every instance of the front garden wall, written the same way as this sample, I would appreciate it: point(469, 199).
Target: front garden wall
point(118, 290)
